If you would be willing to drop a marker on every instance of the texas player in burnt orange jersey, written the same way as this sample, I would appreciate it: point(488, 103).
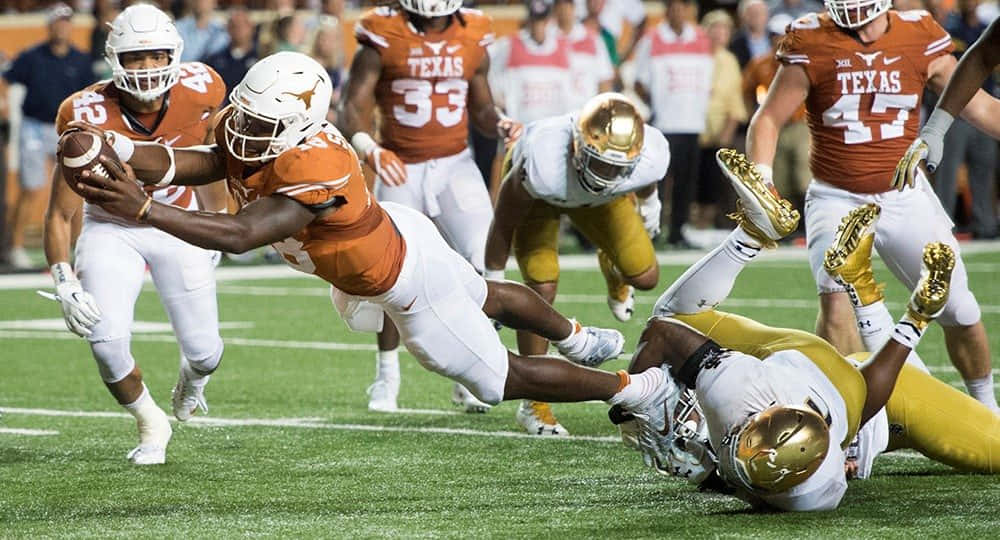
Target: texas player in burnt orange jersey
point(861, 69)
point(424, 66)
point(153, 97)
point(300, 188)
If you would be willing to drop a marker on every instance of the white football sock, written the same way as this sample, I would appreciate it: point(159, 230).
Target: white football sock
point(710, 280)
point(149, 417)
point(387, 366)
point(641, 388)
point(875, 325)
point(981, 390)
point(575, 341)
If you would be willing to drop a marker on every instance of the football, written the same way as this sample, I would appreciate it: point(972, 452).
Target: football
point(79, 151)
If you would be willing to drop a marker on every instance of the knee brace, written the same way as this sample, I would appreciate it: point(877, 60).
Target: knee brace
point(114, 359)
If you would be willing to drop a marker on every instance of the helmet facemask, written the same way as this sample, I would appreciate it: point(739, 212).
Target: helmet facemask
point(431, 8)
point(854, 14)
point(146, 84)
point(254, 138)
point(597, 171)
point(139, 28)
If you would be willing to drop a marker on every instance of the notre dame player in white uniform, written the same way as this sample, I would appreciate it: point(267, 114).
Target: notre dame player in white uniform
point(586, 165)
point(781, 407)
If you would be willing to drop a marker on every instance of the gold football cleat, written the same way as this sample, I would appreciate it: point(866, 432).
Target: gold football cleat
point(849, 260)
point(761, 212)
point(931, 294)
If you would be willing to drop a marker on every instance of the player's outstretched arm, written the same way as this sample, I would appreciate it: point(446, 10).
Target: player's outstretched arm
point(967, 77)
point(513, 205)
point(261, 222)
point(926, 303)
point(787, 93)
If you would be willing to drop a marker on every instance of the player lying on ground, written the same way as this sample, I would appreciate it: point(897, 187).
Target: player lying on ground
point(301, 189)
point(782, 406)
point(151, 96)
point(585, 165)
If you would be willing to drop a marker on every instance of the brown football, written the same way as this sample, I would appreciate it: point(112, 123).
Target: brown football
point(79, 151)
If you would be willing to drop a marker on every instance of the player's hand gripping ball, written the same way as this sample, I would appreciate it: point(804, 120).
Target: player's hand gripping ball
point(81, 151)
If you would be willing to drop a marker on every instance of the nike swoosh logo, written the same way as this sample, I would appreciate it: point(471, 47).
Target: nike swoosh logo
point(168, 142)
point(666, 424)
point(408, 306)
point(452, 49)
point(888, 61)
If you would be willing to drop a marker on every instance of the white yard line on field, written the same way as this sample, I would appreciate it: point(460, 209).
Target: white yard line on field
point(30, 432)
point(230, 341)
point(317, 423)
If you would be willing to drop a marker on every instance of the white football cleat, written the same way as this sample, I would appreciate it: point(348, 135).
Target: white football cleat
point(599, 346)
point(382, 396)
point(461, 397)
point(154, 435)
point(761, 212)
point(623, 309)
point(537, 419)
point(189, 393)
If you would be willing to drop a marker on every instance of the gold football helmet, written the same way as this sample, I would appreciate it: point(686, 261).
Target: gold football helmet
point(607, 141)
point(775, 450)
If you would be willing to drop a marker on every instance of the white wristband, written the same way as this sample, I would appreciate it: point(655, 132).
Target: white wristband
point(496, 275)
point(168, 176)
point(122, 145)
point(939, 122)
point(61, 273)
point(766, 172)
point(363, 143)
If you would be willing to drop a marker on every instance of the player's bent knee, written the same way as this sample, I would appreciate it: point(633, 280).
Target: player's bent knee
point(646, 280)
point(206, 357)
point(962, 310)
point(114, 359)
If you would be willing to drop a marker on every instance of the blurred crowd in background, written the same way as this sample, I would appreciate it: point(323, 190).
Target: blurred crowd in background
point(724, 47)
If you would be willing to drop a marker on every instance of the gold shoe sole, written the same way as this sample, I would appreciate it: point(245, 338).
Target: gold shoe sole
point(932, 292)
point(784, 219)
point(853, 228)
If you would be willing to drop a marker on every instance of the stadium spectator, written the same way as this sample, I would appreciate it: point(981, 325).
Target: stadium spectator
point(613, 15)
point(104, 12)
point(589, 62)
point(674, 76)
point(50, 72)
point(202, 34)
point(233, 62)
point(289, 31)
point(752, 39)
point(794, 8)
point(726, 111)
point(791, 158)
point(591, 20)
point(327, 51)
point(965, 144)
point(530, 70)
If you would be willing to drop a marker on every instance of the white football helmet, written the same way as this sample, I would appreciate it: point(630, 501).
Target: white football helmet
point(431, 8)
point(288, 93)
point(855, 13)
point(142, 27)
point(691, 456)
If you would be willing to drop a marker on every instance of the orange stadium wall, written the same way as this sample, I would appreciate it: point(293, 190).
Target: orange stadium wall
point(18, 32)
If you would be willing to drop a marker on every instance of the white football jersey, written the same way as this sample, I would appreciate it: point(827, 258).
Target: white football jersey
point(546, 153)
point(741, 386)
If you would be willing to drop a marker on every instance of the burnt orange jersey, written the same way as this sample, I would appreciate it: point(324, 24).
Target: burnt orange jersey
point(423, 89)
point(356, 247)
point(186, 118)
point(864, 100)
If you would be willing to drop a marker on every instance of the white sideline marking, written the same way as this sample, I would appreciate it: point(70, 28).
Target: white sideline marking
point(245, 342)
point(139, 327)
point(35, 432)
point(316, 423)
point(566, 262)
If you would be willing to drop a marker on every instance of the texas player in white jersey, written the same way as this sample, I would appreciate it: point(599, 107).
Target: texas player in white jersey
point(152, 97)
point(785, 415)
point(424, 66)
point(861, 70)
point(586, 165)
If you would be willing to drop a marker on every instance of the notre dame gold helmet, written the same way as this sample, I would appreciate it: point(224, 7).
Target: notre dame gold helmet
point(607, 141)
point(776, 449)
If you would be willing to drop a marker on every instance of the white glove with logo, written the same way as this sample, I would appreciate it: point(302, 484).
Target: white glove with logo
point(79, 308)
point(649, 211)
point(928, 147)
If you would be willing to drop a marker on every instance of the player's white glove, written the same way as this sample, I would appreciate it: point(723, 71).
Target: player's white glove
point(649, 211)
point(927, 147)
point(385, 163)
point(79, 308)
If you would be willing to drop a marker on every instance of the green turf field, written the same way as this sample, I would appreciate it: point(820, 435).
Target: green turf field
point(289, 448)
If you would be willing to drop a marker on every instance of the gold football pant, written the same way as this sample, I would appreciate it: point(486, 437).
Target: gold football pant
point(750, 337)
point(615, 228)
